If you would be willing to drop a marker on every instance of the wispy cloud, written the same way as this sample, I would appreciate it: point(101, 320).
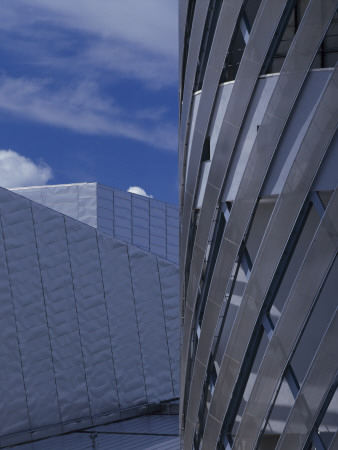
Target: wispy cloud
point(71, 55)
point(19, 171)
point(148, 23)
point(82, 109)
point(155, 71)
point(137, 39)
point(138, 190)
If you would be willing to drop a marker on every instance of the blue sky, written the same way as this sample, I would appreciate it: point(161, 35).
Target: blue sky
point(88, 92)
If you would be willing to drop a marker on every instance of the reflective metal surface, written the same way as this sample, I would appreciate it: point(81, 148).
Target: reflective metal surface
point(307, 406)
point(76, 306)
point(144, 222)
point(266, 136)
point(289, 327)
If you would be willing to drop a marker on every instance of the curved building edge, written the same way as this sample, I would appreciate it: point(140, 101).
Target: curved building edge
point(258, 153)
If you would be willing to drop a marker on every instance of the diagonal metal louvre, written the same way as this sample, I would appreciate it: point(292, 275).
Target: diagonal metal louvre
point(272, 149)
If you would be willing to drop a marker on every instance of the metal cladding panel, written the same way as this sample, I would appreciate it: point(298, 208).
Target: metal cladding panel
point(66, 442)
point(234, 115)
point(220, 106)
point(282, 147)
point(168, 274)
point(240, 97)
point(255, 113)
point(76, 200)
point(302, 114)
point(194, 280)
point(144, 222)
point(194, 111)
point(92, 317)
point(199, 17)
point(145, 432)
point(325, 178)
point(182, 15)
point(141, 221)
point(32, 330)
point(76, 326)
point(151, 325)
point(334, 443)
point(208, 441)
point(188, 317)
point(122, 321)
point(287, 209)
point(307, 284)
point(154, 423)
point(12, 385)
point(210, 318)
point(218, 168)
point(61, 314)
point(309, 401)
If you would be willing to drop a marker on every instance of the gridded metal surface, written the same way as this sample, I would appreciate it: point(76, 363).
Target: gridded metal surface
point(89, 324)
point(144, 222)
point(258, 193)
point(75, 200)
point(150, 432)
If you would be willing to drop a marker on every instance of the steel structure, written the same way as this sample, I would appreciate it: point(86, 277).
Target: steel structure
point(89, 323)
point(149, 431)
point(147, 223)
point(258, 159)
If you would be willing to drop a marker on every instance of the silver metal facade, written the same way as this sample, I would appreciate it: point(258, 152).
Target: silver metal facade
point(147, 432)
point(258, 154)
point(144, 222)
point(89, 325)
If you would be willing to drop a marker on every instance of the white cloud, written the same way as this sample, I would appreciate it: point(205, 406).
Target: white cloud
point(129, 61)
point(134, 38)
point(79, 52)
point(149, 23)
point(18, 171)
point(138, 190)
point(82, 109)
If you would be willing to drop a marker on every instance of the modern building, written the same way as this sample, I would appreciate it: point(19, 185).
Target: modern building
point(258, 158)
point(89, 320)
point(144, 222)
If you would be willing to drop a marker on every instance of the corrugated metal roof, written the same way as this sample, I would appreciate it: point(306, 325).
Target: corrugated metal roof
point(149, 432)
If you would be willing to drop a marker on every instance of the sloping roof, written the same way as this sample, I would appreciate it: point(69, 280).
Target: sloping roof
point(149, 432)
point(147, 223)
point(91, 324)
